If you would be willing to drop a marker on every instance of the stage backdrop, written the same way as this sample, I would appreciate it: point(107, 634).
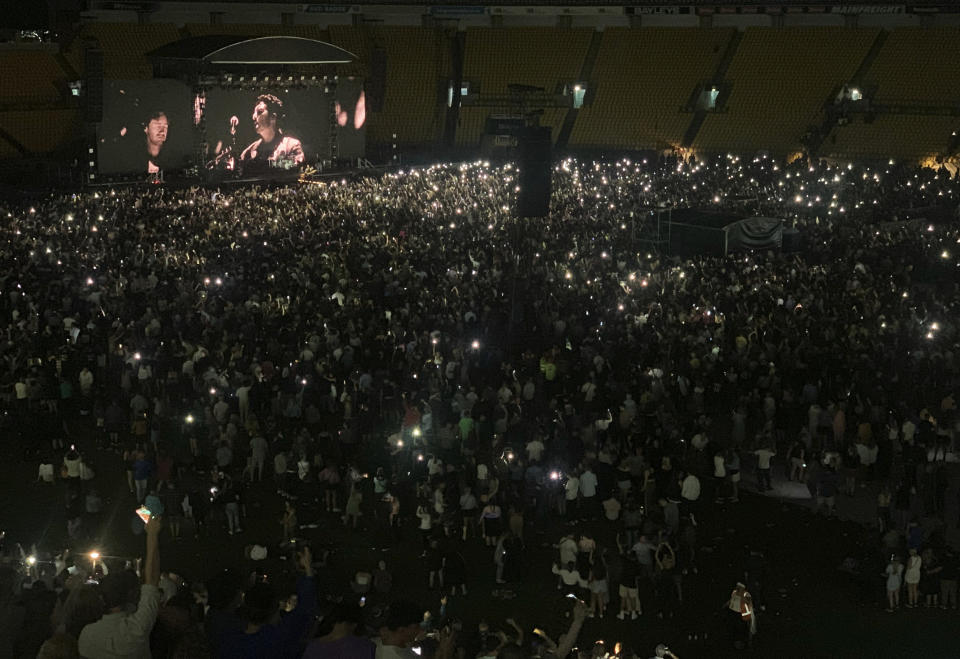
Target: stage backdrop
point(146, 127)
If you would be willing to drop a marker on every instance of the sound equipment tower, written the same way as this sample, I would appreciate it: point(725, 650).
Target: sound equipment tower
point(535, 164)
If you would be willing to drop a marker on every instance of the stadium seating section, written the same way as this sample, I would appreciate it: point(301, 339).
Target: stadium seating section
point(640, 83)
point(780, 81)
point(39, 131)
point(893, 136)
point(641, 80)
point(125, 45)
point(536, 56)
point(918, 65)
point(39, 79)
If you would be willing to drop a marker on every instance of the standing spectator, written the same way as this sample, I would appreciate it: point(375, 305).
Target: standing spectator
point(120, 633)
point(764, 455)
point(142, 470)
point(588, 490)
point(341, 642)
point(948, 579)
point(911, 577)
point(266, 636)
point(894, 575)
point(492, 523)
point(258, 452)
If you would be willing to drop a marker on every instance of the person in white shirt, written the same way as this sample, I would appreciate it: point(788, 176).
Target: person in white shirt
point(611, 508)
point(690, 489)
point(764, 455)
point(568, 550)
point(529, 391)
point(907, 430)
point(589, 391)
point(120, 633)
point(426, 523)
point(569, 577)
point(86, 381)
point(588, 490)
point(569, 503)
point(45, 472)
point(535, 450)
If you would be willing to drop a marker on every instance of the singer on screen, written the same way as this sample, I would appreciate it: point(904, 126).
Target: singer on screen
point(273, 147)
point(155, 128)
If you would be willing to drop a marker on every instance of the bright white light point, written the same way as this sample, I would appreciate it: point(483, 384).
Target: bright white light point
point(89, 281)
point(945, 254)
point(632, 276)
point(213, 391)
point(31, 560)
point(603, 255)
point(935, 326)
point(620, 307)
point(219, 281)
point(475, 345)
point(569, 275)
point(136, 355)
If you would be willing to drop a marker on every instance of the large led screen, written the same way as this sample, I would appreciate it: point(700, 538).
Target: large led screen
point(146, 127)
point(351, 111)
point(266, 131)
point(259, 132)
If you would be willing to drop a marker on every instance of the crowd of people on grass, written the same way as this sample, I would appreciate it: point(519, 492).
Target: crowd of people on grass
point(401, 356)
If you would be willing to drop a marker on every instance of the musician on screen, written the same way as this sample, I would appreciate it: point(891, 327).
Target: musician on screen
point(273, 147)
point(155, 128)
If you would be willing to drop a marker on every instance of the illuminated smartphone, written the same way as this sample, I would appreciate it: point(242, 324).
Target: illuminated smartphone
point(143, 513)
point(571, 596)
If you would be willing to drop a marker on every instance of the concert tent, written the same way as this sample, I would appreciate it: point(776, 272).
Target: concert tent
point(717, 233)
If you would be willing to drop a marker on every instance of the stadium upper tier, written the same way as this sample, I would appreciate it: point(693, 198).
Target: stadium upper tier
point(775, 85)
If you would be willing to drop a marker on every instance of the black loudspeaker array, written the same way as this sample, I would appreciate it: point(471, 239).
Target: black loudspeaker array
point(376, 87)
point(535, 169)
point(93, 84)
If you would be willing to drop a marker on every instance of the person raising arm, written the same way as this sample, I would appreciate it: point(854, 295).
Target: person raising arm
point(122, 634)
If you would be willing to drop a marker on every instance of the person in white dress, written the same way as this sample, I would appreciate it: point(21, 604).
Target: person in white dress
point(912, 578)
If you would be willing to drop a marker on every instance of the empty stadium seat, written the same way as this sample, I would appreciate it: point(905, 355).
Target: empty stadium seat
point(41, 132)
point(536, 56)
point(918, 65)
point(30, 77)
point(899, 136)
point(780, 81)
point(642, 78)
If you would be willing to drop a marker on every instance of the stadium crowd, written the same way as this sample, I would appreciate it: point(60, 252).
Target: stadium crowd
point(400, 357)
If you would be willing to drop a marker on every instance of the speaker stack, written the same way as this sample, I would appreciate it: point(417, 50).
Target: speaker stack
point(535, 146)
